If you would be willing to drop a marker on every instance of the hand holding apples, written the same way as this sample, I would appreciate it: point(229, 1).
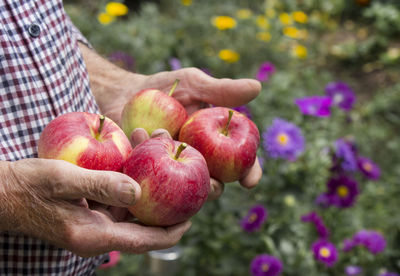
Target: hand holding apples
point(227, 139)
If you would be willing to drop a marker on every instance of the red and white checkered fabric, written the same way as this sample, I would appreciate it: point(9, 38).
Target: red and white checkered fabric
point(42, 75)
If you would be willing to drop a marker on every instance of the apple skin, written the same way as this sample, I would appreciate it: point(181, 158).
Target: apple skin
point(172, 190)
point(229, 157)
point(152, 109)
point(73, 137)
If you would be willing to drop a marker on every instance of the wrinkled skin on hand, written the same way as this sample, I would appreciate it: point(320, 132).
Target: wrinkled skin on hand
point(46, 199)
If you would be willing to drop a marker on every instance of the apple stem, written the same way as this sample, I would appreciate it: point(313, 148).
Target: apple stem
point(173, 87)
point(225, 131)
point(179, 150)
point(102, 119)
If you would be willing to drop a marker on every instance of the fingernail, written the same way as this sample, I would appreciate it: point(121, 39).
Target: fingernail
point(159, 133)
point(138, 136)
point(126, 193)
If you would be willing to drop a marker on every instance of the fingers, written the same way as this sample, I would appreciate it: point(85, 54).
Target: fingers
point(136, 238)
point(139, 135)
point(253, 176)
point(225, 92)
point(68, 181)
point(96, 233)
point(217, 188)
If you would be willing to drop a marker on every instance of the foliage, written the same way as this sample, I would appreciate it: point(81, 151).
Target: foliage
point(345, 40)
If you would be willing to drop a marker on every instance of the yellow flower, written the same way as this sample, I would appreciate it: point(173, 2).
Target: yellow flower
point(105, 18)
point(186, 2)
point(224, 22)
point(244, 13)
point(116, 9)
point(285, 18)
point(300, 17)
point(291, 32)
point(299, 51)
point(264, 36)
point(229, 55)
point(262, 22)
point(289, 200)
point(271, 13)
point(302, 34)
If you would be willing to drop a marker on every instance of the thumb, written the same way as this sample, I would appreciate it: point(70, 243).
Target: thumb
point(107, 187)
point(228, 92)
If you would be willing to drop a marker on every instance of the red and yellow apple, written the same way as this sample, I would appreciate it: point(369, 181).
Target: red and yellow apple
point(152, 109)
point(174, 180)
point(227, 139)
point(88, 140)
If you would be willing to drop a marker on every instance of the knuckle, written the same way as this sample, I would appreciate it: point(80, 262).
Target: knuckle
point(96, 186)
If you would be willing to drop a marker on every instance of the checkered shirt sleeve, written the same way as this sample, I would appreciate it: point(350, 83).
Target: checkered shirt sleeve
point(42, 75)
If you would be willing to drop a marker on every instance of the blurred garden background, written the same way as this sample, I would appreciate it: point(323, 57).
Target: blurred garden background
point(328, 113)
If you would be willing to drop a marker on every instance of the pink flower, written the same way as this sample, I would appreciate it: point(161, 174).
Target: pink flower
point(114, 257)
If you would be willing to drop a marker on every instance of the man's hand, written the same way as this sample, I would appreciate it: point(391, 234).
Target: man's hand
point(113, 87)
point(46, 199)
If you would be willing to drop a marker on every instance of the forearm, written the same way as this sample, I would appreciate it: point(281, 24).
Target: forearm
point(107, 81)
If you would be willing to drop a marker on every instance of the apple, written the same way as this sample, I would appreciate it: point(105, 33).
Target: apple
point(152, 109)
point(227, 139)
point(88, 140)
point(174, 179)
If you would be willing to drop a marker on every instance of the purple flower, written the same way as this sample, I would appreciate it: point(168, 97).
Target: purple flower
point(254, 218)
point(325, 252)
point(175, 64)
point(342, 191)
point(265, 71)
point(122, 59)
point(352, 270)
point(348, 244)
point(372, 240)
point(342, 95)
point(368, 168)
point(313, 217)
point(319, 106)
point(323, 200)
point(387, 273)
point(283, 139)
point(265, 265)
point(244, 110)
point(346, 155)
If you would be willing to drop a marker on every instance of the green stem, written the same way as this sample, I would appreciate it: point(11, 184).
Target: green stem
point(179, 150)
point(102, 119)
point(225, 131)
point(173, 87)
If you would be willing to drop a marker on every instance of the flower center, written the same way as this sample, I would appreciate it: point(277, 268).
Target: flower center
point(338, 98)
point(325, 252)
point(253, 217)
point(282, 139)
point(342, 191)
point(265, 267)
point(367, 166)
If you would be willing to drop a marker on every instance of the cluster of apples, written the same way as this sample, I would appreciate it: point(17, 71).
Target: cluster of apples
point(174, 174)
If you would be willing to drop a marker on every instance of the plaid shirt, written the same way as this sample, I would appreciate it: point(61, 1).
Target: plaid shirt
point(42, 75)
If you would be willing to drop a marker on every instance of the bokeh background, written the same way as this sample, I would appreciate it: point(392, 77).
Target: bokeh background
point(345, 55)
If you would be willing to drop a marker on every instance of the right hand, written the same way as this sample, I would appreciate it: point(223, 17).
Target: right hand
point(46, 199)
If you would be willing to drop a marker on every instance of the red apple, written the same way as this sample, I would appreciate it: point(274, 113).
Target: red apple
point(88, 140)
point(227, 139)
point(152, 109)
point(175, 181)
